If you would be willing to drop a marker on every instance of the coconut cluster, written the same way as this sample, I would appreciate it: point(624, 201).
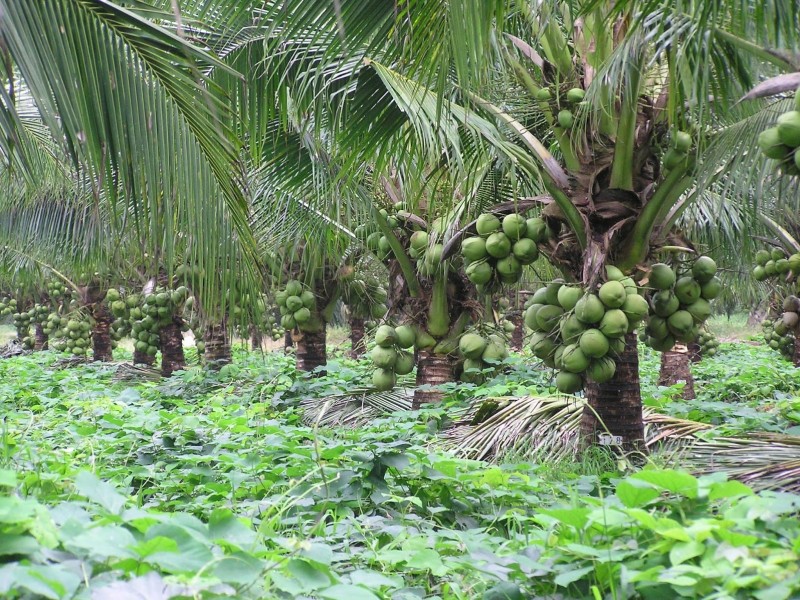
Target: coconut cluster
point(565, 102)
point(580, 331)
point(708, 342)
point(781, 141)
point(365, 298)
point(157, 310)
point(500, 249)
point(391, 355)
point(678, 153)
point(8, 305)
point(23, 321)
point(775, 263)
point(56, 289)
point(298, 307)
point(70, 332)
point(679, 302)
point(481, 352)
point(778, 336)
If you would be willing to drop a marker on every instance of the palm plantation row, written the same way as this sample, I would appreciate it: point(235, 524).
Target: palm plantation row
point(229, 167)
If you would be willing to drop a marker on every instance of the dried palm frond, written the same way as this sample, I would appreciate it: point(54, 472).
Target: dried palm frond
point(129, 372)
point(70, 362)
point(13, 348)
point(762, 461)
point(354, 409)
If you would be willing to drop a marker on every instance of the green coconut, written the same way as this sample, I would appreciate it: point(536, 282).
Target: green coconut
point(687, 290)
point(383, 380)
point(794, 263)
point(680, 323)
point(568, 383)
point(762, 256)
point(662, 277)
point(302, 316)
point(614, 323)
point(294, 288)
point(487, 224)
point(551, 291)
point(404, 363)
point(601, 370)
point(543, 95)
point(525, 251)
point(770, 143)
point(575, 95)
point(700, 310)
point(711, 289)
point(789, 128)
point(498, 245)
point(479, 273)
point(571, 329)
point(662, 345)
point(681, 141)
point(635, 307)
point(566, 119)
point(542, 346)
point(612, 294)
point(593, 343)
point(308, 299)
point(383, 357)
point(514, 226)
point(473, 248)
point(673, 159)
point(782, 266)
point(589, 309)
point(614, 274)
point(530, 316)
point(547, 318)
point(759, 273)
point(508, 266)
point(573, 359)
point(703, 269)
point(406, 336)
point(472, 345)
point(777, 254)
point(770, 269)
point(537, 230)
point(495, 350)
point(419, 240)
point(568, 296)
point(385, 336)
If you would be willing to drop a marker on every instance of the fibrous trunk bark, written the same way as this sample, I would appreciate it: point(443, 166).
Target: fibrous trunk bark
point(143, 358)
point(101, 332)
point(40, 337)
point(675, 369)
point(518, 335)
point(796, 357)
point(694, 352)
point(256, 339)
point(311, 351)
point(171, 337)
point(615, 407)
point(432, 370)
point(218, 350)
point(358, 343)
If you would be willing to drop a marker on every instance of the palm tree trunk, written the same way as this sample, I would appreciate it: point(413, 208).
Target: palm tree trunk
point(40, 337)
point(101, 332)
point(432, 370)
point(518, 335)
point(143, 358)
point(218, 350)
point(616, 406)
point(172, 357)
point(675, 369)
point(311, 351)
point(288, 342)
point(358, 345)
point(694, 352)
point(796, 356)
point(256, 339)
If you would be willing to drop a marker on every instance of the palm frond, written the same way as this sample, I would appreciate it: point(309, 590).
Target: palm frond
point(355, 409)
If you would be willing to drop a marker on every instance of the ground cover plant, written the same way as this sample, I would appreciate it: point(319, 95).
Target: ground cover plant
point(213, 485)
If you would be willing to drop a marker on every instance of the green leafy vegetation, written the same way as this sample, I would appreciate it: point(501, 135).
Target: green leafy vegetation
point(213, 485)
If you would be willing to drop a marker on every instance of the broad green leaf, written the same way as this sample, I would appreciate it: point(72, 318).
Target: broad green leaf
point(683, 551)
point(670, 480)
point(309, 575)
point(99, 492)
point(239, 568)
point(728, 489)
point(634, 494)
point(344, 591)
point(8, 478)
point(566, 578)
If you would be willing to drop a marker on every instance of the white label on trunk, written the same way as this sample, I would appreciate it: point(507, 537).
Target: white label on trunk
point(610, 440)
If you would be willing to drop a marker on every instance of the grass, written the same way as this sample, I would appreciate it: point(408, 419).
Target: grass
point(734, 327)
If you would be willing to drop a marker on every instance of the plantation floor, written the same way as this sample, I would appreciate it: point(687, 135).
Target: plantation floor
point(214, 486)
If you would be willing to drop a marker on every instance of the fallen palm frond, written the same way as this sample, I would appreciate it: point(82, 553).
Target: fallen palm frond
point(762, 461)
point(13, 348)
point(70, 362)
point(354, 409)
point(129, 372)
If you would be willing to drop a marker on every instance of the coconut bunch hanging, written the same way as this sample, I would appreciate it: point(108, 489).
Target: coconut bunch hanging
point(498, 250)
point(778, 336)
point(781, 141)
point(8, 305)
point(482, 349)
point(581, 331)
point(775, 263)
point(70, 332)
point(392, 355)
point(680, 302)
point(298, 308)
point(157, 310)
